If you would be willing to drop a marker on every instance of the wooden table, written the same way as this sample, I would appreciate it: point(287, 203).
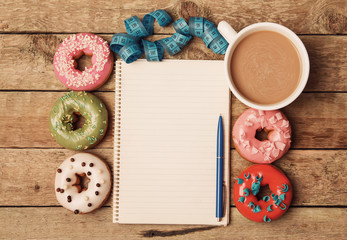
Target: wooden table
point(30, 32)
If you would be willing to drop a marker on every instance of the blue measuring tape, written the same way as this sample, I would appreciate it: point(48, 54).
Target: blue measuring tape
point(131, 45)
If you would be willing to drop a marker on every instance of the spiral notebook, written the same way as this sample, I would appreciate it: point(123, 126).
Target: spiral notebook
point(165, 142)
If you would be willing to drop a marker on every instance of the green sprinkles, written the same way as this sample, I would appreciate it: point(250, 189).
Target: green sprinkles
point(241, 199)
point(282, 196)
point(259, 178)
point(266, 198)
point(284, 206)
point(285, 188)
point(257, 209)
point(274, 196)
point(266, 219)
point(251, 205)
point(269, 208)
point(278, 202)
point(255, 188)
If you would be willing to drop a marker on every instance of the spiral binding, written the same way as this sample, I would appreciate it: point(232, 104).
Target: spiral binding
point(117, 136)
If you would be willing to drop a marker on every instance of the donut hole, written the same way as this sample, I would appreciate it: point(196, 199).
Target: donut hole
point(78, 121)
point(84, 61)
point(81, 182)
point(263, 191)
point(261, 134)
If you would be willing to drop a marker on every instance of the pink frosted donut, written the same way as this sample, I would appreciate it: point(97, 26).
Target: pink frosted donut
point(266, 151)
point(74, 47)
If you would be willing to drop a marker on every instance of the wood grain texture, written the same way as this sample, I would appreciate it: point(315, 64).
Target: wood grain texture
point(25, 119)
point(30, 32)
point(26, 61)
point(317, 119)
point(305, 17)
point(58, 223)
point(318, 176)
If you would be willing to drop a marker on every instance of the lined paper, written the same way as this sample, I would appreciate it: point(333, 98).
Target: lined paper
point(168, 114)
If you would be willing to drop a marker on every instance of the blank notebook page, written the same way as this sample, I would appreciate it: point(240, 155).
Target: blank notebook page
point(165, 141)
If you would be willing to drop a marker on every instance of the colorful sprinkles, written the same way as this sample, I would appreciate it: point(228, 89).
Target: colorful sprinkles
point(74, 45)
point(266, 219)
point(246, 194)
point(269, 209)
point(285, 188)
point(241, 199)
point(266, 198)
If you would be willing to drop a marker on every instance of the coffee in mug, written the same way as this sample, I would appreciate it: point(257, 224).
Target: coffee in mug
point(265, 67)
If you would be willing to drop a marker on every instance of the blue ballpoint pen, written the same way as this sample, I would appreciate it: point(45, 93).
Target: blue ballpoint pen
point(220, 165)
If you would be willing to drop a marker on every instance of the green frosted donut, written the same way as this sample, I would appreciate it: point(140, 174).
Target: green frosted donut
point(64, 114)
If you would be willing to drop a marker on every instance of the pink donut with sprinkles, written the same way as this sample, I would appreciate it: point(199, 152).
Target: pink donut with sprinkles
point(74, 47)
point(267, 151)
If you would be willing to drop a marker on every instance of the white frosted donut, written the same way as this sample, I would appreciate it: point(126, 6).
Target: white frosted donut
point(69, 176)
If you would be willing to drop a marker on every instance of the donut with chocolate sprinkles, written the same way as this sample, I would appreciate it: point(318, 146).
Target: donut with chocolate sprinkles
point(78, 189)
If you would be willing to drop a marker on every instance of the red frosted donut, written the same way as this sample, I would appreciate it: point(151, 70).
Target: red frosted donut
point(266, 151)
point(74, 47)
point(247, 187)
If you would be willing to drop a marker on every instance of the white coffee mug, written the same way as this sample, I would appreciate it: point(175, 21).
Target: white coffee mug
point(235, 38)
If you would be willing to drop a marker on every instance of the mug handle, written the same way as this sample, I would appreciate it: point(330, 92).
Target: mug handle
point(227, 31)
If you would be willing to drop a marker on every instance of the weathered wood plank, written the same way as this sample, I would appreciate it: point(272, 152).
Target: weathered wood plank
point(28, 175)
point(25, 118)
point(49, 223)
point(26, 61)
point(317, 176)
point(318, 119)
point(306, 17)
point(328, 66)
